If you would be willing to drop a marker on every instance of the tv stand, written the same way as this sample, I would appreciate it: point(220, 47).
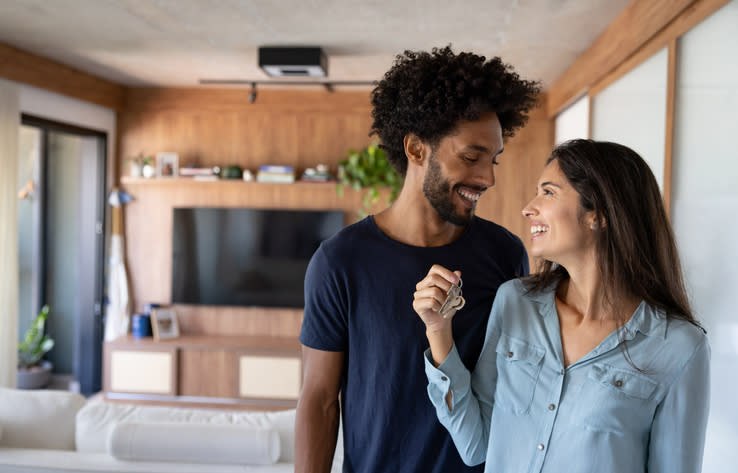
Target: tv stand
point(249, 372)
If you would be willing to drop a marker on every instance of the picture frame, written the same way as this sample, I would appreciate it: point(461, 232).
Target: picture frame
point(167, 164)
point(164, 323)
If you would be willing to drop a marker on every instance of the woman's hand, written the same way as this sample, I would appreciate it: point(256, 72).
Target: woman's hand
point(430, 294)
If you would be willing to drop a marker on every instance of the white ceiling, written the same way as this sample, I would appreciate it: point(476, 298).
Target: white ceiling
point(179, 42)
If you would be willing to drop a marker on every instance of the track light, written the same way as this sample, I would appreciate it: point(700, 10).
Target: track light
point(252, 94)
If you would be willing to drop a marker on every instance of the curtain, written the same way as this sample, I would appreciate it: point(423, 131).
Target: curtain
point(9, 130)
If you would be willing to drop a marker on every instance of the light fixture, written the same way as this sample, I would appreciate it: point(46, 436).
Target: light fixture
point(293, 61)
point(252, 94)
point(328, 84)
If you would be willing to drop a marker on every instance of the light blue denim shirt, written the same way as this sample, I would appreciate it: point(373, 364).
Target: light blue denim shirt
point(521, 410)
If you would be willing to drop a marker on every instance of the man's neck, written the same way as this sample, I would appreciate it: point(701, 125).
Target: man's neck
point(413, 221)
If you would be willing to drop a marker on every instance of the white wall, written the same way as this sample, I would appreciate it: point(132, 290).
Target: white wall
point(704, 208)
point(9, 125)
point(632, 111)
point(573, 122)
point(60, 108)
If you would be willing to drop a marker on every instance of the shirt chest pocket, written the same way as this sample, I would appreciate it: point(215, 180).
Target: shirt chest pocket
point(518, 367)
point(616, 400)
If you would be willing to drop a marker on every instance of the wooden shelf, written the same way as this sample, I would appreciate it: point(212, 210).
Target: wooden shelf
point(187, 181)
point(221, 342)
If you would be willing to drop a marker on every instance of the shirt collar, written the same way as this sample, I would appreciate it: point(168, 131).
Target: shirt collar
point(648, 320)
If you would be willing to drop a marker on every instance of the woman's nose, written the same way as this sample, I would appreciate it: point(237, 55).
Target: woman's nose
point(529, 210)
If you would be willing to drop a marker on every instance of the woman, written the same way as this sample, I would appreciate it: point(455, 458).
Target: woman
point(595, 363)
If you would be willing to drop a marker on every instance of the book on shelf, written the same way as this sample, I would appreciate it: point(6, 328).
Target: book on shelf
point(211, 177)
point(317, 174)
point(276, 168)
point(194, 171)
point(274, 177)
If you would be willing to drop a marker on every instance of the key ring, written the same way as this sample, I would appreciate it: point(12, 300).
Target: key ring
point(454, 300)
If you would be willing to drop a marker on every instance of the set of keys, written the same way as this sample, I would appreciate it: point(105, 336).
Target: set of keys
point(454, 301)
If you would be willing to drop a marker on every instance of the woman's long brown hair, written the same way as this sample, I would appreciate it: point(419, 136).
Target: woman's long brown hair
point(635, 249)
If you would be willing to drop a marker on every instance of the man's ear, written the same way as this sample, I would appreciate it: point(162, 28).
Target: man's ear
point(414, 149)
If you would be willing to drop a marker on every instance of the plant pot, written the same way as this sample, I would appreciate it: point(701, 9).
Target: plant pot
point(35, 377)
point(148, 171)
point(136, 170)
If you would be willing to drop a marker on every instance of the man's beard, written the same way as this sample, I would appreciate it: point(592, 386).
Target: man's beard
point(437, 190)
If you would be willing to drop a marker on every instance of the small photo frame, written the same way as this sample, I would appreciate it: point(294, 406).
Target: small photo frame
point(164, 323)
point(167, 164)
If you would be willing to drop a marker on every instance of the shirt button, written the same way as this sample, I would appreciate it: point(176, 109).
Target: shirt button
point(510, 354)
point(551, 407)
point(619, 383)
point(443, 378)
point(540, 446)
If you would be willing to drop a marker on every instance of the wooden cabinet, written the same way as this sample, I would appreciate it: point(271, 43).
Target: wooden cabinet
point(233, 371)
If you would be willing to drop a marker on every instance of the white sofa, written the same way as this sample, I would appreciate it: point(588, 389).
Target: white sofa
point(56, 431)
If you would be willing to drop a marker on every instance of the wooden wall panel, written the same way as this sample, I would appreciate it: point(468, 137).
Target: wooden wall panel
point(637, 24)
point(27, 68)
point(520, 166)
point(210, 127)
point(148, 231)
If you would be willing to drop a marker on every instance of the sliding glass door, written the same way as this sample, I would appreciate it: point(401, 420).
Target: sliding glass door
point(61, 243)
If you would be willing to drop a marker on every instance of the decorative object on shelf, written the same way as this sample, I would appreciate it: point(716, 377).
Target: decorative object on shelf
point(368, 169)
point(167, 164)
point(141, 325)
point(275, 173)
point(319, 173)
point(118, 307)
point(231, 172)
point(248, 176)
point(33, 372)
point(192, 171)
point(164, 323)
point(141, 166)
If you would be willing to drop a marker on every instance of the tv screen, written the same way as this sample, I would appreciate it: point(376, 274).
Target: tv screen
point(245, 257)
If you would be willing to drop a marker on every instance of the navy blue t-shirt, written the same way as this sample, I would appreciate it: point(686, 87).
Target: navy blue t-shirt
point(358, 299)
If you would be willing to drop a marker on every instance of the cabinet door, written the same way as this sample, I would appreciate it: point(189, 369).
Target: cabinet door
point(264, 376)
point(141, 370)
point(207, 372)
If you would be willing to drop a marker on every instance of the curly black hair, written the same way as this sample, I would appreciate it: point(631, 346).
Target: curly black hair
point(428, 94)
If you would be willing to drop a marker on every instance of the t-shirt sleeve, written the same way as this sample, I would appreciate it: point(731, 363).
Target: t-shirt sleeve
point(523, 268)
point(324, 323)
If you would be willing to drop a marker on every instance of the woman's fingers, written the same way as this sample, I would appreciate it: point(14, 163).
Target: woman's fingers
point(440, 277)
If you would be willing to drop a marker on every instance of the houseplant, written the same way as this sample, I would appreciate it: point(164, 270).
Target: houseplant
point(33, 372)
point(368, 169)
point(141, 165)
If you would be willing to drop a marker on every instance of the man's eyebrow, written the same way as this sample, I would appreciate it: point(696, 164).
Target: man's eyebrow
point(481, 149)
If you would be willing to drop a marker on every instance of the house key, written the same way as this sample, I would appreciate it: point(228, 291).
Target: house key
point(454, 301)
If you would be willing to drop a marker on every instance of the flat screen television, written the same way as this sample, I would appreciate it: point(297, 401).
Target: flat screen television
point(244, 256)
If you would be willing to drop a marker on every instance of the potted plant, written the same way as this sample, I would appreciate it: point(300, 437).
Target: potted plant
point(368, 169)
point(33, 372)
point(141, 166)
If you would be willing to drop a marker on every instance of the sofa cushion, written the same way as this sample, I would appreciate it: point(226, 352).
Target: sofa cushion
point(20, 460)
point(38, 419)
point(194, 443)
point(96, 420)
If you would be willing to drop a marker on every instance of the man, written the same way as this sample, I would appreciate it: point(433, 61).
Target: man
point(441, 118)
